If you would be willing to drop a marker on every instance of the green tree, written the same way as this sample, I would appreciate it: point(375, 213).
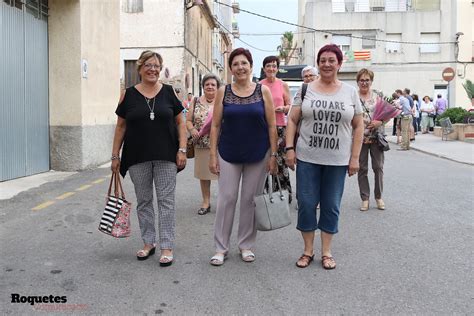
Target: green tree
point(287, 47)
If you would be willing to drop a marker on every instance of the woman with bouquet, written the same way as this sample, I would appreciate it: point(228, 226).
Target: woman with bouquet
point(369, 99)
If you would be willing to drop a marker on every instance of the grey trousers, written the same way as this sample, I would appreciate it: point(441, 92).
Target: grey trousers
point(253, 180)
point(163, 174)
point(377, 157)
point(405, 130)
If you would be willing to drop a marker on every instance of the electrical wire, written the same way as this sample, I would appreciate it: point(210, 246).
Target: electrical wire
point(229, 32)
point(332, 33)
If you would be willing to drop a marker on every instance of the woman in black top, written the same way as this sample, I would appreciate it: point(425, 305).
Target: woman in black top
point(153, 134)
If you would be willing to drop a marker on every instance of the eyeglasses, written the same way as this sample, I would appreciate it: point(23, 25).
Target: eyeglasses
point(308, 76)
point(151, 66)
point(364, 81)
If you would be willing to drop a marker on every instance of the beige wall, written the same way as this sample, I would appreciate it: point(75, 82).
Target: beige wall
point(82, 108)
point(85, 29)
point(159, 25)
point(64, 32)
point(100, 47)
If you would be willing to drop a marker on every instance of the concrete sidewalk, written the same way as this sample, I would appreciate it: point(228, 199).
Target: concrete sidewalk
point(454, 150)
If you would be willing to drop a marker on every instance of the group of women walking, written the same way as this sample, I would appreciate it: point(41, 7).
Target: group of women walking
point(242, 132)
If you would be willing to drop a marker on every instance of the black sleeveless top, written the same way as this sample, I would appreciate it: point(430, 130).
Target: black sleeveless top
point(146, 139)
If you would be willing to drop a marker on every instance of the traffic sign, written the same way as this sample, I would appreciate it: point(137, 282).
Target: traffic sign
point(448, 74)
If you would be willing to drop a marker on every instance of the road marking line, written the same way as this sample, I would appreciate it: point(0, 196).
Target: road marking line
point(42, 205)
point(98, 181)
point(65, 195)
point(84, 187)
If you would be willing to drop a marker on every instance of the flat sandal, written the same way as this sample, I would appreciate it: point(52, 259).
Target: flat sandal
point(306, 259)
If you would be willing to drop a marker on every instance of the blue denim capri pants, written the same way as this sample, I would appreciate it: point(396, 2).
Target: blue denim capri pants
point(319, 184)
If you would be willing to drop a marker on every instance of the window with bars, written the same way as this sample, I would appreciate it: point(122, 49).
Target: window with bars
point(37, 8)
point(343, 41)
point(15, 3)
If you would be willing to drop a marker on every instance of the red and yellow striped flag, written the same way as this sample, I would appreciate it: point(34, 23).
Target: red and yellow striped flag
point(362, 55)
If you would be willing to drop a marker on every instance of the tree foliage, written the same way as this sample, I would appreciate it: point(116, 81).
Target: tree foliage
point(287, 47)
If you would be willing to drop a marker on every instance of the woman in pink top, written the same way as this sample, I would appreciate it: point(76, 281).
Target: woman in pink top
point(281, 101)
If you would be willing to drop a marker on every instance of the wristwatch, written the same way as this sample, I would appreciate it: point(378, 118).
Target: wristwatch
point(183, 150)
point(289, 148)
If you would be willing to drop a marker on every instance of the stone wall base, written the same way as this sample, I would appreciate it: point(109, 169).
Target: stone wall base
point(74, 148)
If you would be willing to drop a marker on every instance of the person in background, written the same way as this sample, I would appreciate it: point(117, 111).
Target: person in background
point(281, 101)
point(308, 74)
point(416, 114)
point(186, 103)
point(328, 148)
point(188, 100)
point(406, 94)
point(440, 106)
point(406, 120)
point(243, 147)
point(427, 113)
point(368, 100)
point(397, 120)
point(199, 110)
point(152, 130)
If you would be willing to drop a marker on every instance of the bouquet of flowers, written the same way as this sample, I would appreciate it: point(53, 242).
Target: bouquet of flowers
point(384, 111)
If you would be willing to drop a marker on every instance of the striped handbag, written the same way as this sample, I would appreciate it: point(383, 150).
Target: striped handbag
point(115, 220)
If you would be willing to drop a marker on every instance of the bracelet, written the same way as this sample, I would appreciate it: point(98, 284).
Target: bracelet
point(289, 148)
point(114, 157)
point(274, 154)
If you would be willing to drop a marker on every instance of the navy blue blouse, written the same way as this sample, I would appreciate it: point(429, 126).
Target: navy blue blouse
point(244, 130)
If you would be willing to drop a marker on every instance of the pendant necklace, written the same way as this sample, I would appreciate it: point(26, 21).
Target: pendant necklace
point(152, 109)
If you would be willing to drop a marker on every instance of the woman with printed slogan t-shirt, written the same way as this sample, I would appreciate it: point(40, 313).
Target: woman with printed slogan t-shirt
point(328, 147)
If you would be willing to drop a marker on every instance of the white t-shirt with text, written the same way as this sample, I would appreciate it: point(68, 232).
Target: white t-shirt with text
point(326, 125)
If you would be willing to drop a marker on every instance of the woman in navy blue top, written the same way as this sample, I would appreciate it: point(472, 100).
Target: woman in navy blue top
point(243, 147)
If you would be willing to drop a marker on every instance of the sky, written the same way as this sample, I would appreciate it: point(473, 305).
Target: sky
point(286, 10)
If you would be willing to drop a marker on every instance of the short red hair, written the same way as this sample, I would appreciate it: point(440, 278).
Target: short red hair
point(240, 51)
point(331, 48)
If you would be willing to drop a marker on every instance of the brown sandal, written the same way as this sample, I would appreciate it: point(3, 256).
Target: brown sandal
point(328, 263)
point(305, 259)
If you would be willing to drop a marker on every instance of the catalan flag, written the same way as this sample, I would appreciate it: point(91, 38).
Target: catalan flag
point(362, 55)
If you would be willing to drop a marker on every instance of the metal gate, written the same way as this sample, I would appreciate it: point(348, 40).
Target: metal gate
point(24, 117)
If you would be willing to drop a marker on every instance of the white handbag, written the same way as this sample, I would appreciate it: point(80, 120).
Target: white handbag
point(271, 209)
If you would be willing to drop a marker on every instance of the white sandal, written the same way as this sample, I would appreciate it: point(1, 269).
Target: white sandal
point(168, 262)
point(218, 259)
point(247, 255)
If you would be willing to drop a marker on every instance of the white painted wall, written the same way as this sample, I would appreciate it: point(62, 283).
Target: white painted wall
point(401, 69)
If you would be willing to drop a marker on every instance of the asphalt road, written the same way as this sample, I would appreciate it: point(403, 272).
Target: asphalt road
point(416, 257)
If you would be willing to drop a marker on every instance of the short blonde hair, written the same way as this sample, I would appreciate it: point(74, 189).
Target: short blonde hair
point(147, 54)
point(367, 72)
